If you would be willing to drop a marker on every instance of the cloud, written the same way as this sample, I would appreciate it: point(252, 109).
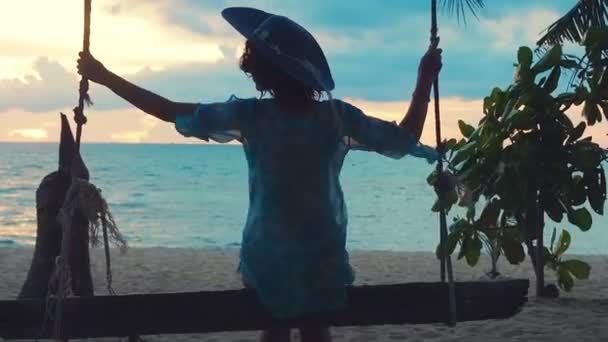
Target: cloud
point(130, 136)
point(130, 125)
point(184, 50)
point(51, 87)
point(517, 28)
point(128, 35)
point(452, 110)
point(29, 133)
point(116, 125)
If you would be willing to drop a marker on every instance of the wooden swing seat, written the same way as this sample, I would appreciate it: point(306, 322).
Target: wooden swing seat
point(238, 310)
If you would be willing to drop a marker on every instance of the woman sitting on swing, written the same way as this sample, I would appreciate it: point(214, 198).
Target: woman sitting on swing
point(293, 246)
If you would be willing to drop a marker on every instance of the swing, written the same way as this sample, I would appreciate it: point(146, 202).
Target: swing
point(88, 316)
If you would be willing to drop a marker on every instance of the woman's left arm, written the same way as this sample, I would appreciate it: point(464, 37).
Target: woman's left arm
point(428, 70)
point(416, 115)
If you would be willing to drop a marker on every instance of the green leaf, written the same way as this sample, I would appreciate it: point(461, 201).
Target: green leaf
point(520, 119)
point(464, 152)
point(565, 98)
point(577, 132)
point(552, 206)
point(603, 81)
point(581, 218)
point(550, 259)
point(581, 95)
point(465, 128)
point(514, 251)
point(569, 64)
point(450, 199)
point(578, 268)
point(564, 120)
point(524, 56)
point(553, 238)
point(489, 215)
point(473, 250)
point(591, 112)
point(470, 212)
point(553, 79)
point(460, 143)
point(436, 207)
point(564, 279)
point(578, 193)
point(432, 178)
point(453, 239)
point(562, 243)
point(450, 144)
point(549, 60)
point(596, 38)
point(587, 157)
point(595, 181)
point(604, 106)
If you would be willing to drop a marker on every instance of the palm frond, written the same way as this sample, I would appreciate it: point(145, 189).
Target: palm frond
point(574, 24)
point(461, 7)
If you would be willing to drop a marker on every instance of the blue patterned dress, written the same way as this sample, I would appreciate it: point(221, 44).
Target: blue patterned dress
point(293, 249)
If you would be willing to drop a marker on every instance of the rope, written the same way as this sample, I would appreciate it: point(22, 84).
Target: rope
point(83, 199)
point(83, 96)
point(446, 262)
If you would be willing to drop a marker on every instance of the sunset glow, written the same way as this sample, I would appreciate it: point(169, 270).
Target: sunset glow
point(185, 51)
point(29, 133)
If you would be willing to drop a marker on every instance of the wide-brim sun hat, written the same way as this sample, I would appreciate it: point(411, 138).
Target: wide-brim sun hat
point(284, 43)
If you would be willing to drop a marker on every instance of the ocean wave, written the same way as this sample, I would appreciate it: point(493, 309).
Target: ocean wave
point(129, 205)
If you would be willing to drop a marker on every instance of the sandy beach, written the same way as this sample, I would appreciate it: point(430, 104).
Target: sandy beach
point(581, 315)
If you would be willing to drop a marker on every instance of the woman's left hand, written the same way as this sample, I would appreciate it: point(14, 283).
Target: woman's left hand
point(430, 64)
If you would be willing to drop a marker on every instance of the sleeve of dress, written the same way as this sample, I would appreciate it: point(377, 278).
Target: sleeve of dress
point(362, 132)
point(221, 122)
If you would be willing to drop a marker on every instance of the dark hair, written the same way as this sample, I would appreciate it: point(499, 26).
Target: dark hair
point(269, 78)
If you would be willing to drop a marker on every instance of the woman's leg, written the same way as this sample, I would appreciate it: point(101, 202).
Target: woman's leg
point(315, 334)
point(273, 335)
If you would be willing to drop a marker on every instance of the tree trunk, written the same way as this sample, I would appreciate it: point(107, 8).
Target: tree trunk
point(80, 265)
point(50, 196)
point(534, 227)
point(540, 250)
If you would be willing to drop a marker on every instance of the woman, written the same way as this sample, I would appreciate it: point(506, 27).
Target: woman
point(293, 247)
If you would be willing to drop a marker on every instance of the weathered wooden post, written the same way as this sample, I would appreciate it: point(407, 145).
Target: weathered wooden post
point(50, 197)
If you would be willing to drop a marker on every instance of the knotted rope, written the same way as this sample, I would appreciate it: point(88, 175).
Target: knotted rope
point(83, 96)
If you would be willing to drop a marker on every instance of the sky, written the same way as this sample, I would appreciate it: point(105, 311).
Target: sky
point(184, 50)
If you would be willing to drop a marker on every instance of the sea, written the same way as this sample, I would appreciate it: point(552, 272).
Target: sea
point(196, 196)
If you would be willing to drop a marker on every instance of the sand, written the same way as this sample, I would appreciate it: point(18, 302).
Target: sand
point(581, 315)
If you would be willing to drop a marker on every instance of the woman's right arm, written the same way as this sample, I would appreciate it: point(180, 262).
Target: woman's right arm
point(147, 101)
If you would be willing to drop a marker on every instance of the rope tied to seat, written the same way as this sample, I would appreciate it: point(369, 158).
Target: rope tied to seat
point(83, 199)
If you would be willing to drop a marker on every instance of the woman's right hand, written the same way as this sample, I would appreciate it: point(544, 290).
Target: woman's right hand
point(91, 68)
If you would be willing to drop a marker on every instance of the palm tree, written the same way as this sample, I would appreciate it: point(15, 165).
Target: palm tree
point(574, 24)
point(571, 27)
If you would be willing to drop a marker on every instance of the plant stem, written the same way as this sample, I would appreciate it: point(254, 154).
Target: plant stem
point(540, 250)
